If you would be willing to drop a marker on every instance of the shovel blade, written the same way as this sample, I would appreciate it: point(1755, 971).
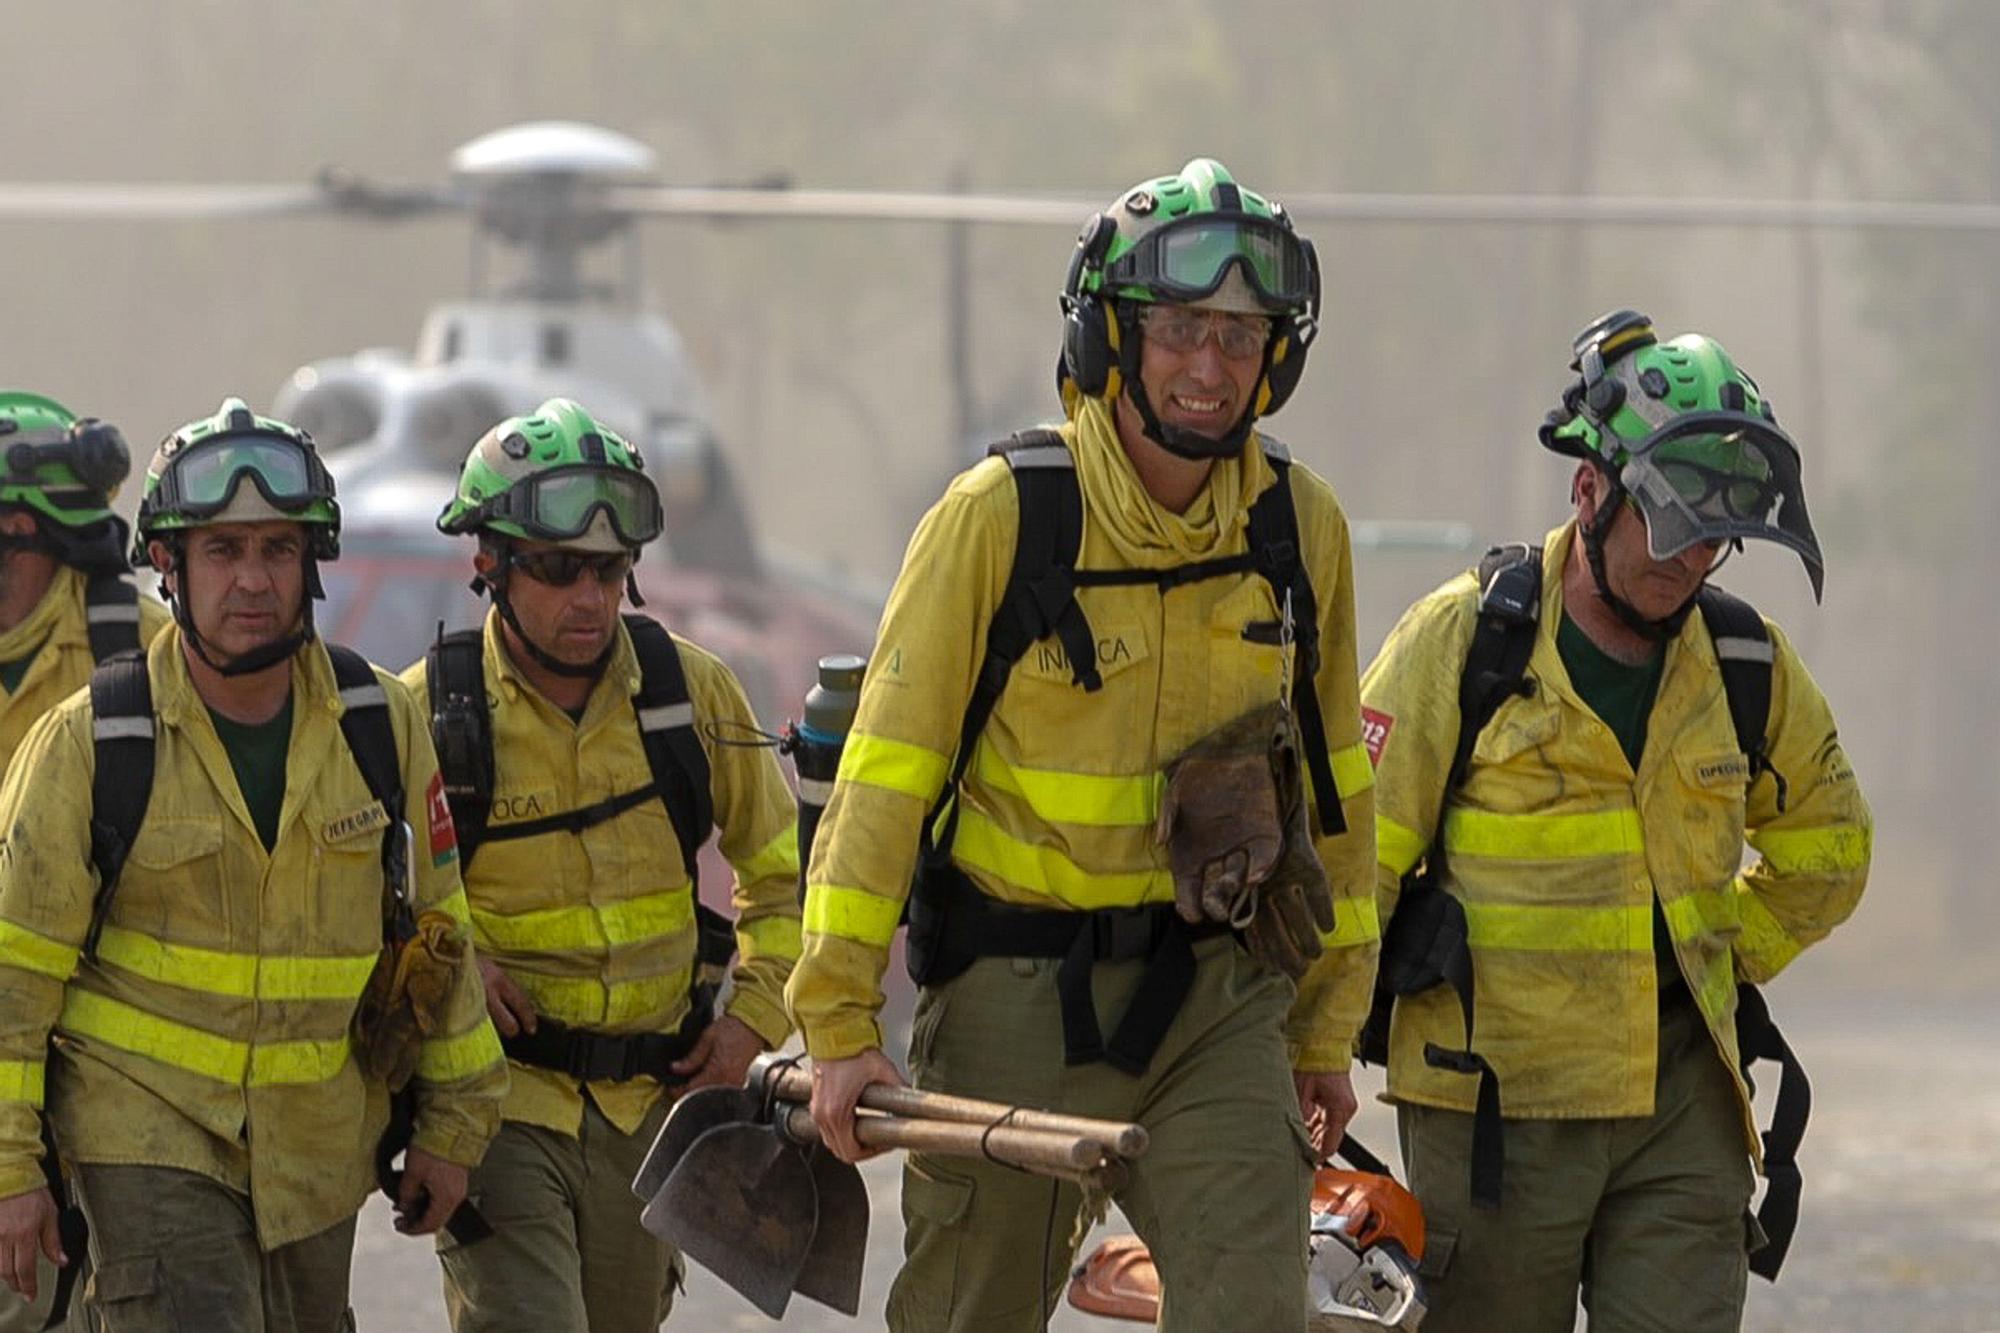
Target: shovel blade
point(691, 1117)
point(831, 1273)
point(740, 1203)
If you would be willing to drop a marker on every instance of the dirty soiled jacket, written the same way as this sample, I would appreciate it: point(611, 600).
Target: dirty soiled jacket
point(212, 1032)
point(598, 927)
point(1064, 786)
point(1558, 850)
point(58, 634)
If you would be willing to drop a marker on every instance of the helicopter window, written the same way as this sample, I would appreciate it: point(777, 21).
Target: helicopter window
point(555, 344)
point(336, 414)
point(452, 339)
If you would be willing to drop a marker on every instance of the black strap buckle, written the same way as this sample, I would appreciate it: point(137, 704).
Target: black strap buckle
point(1125, 932)
point(594, 1057)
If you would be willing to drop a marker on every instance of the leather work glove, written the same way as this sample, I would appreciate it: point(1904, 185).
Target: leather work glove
point(1294, 905)
point(1220, 820)
point(406, 998)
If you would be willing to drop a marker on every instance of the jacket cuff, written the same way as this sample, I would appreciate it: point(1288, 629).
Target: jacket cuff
point(762, 1017)
point(21, 1179)
point(843, 1039)
point(457, 1146)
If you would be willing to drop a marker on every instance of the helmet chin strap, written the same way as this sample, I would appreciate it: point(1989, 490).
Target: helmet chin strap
point(495, 586)
point(1176, 440)
point(264, 656)
point(1593, 534)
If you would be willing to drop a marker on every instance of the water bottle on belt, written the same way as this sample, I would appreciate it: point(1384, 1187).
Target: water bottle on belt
point(814, 743)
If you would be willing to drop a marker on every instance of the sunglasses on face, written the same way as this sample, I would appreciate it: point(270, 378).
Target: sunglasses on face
point(560, 569)
point(1240, 337)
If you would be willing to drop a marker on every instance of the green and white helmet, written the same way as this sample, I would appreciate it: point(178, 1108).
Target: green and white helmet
point(66, 470)
point(560, 476)
point(237, 467)
point(1682, 430)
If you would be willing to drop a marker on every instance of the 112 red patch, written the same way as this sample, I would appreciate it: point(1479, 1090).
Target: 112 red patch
point(444, 838)
point(1375, 733)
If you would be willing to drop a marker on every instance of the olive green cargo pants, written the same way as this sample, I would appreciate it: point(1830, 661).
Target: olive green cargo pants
point(1220, 1196)
point(1646, 1215)
point(175, 1250)
point(568, 1254)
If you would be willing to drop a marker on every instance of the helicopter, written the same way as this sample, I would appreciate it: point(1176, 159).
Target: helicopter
point(555, 307)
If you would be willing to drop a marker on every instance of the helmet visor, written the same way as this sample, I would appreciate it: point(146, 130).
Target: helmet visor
point(201, 481)
point(1721, 477)
point(1189, 258)
point(560, 504)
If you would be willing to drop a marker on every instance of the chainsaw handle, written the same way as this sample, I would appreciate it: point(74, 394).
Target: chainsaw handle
point(1115, 1137)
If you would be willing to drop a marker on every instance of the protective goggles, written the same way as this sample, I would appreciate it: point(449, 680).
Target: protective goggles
point(202, 479)
point(559, 569)
point(1189, 258)
point(1721, 477)
point(559, 504)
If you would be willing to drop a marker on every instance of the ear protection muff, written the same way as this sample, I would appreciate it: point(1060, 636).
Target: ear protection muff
point(1089, 347)
point(1286, 360)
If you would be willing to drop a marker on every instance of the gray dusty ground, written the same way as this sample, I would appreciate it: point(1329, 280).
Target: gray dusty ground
point(1902, 1213)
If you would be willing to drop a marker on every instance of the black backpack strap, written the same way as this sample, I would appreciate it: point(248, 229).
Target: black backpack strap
point(667, 729)
point(111, 615)
point(122, 731)
point(462, 732)
point(1274, 549)
point(1758, 1038)
point(1743, 651)
point(365, 725)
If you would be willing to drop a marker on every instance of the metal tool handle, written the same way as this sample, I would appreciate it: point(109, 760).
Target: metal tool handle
point(1118, 1138)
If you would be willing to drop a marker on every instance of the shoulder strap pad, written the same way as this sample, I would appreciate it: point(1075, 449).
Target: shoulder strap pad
point(122, 734)
point(1744, 652)
point(1274, 551)
point(111, 613)
point(1496, 664)
point(371, 738)
point(462, 732)
point(667, 730)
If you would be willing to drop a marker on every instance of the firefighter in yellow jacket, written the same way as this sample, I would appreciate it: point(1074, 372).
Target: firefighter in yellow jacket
point(1113, 654)
point(1594, 849)
point(588, 777)
point(66, 601)
point(58, 540)
point(185, 1027)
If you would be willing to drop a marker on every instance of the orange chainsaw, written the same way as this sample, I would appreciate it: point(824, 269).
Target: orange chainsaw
point(1367, 1242)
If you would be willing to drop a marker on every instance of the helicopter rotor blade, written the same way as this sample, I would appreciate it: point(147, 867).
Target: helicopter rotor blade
point(331, 192)
point(854, 205)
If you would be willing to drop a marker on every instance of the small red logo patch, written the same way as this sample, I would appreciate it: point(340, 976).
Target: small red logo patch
point(1375, 733)
point(444, 839)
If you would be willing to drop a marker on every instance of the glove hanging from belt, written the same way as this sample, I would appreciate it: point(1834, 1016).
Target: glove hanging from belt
point(1233, 820)
point(407, 996)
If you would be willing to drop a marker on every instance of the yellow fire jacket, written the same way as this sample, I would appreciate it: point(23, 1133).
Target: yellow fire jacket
point(1558, 850)
point(212, 1032)
point(598, 927)
point(59, 636)
point(1064, 787)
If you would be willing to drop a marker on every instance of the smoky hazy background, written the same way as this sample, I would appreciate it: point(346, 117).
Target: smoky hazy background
point(826, 348)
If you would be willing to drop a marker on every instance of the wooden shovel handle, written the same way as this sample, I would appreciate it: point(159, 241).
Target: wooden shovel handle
point(1116, 1137)
point(1033, 1149)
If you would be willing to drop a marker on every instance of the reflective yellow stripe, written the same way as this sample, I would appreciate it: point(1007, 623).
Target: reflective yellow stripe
point(1074, 798)
point(587, 926)
point(115, 1023)
point(776, 859)
point(242, 976)
point(852, 914)
point(37, 953)
point(1352, 771)
point(1719, 985)
point(1398, 849)
point(449, 1059)
point(21, 1081)
point(895, 765)
point(1709, 912)
point(1832, 850)
point(588, 1001)
point(769, 937)
point(983, 844)
point(1543, 929)
point(1354, 922)
point(452, 906)
point(1763, 938)
point(1543, 837)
